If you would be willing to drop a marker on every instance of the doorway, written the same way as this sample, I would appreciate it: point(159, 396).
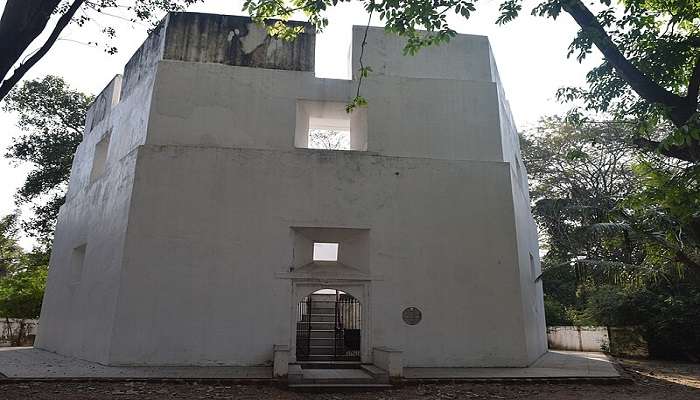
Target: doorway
point(328, 327)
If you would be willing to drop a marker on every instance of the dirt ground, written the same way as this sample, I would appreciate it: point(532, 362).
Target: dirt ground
point(648, 380)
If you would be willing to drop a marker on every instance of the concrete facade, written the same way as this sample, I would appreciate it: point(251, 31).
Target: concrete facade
point(188, 240)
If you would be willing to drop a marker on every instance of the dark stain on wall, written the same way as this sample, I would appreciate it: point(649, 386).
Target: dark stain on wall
point(142, 64)
point(236, 40)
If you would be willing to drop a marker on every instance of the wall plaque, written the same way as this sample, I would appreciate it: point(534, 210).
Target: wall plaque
point(411, 315)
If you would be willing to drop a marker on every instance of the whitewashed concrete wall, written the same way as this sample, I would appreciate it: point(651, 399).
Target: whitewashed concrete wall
point(78, 309)
point(196, 214)
point(578, 338)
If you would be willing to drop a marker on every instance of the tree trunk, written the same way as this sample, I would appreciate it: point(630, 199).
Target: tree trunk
point(680, 108)
point(10, 81)
point(22, 21)
point(21, 333)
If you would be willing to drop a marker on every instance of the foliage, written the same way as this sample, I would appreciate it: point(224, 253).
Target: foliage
point(52, 115)
point(555, 312)
point(22, 280)
point(618, 225)
point(21, 295)
point(22, 291)
point(10, 251)
point(668, 315)
point(666, 210)
point(22, 284)
point(579, 176)
point(603, 205)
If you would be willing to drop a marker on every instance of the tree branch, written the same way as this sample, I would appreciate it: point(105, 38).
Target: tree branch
point(694, 84)
point(22, 69)
point(22, 21)
point(642, 84)
point(686, 153)
point(683, 258)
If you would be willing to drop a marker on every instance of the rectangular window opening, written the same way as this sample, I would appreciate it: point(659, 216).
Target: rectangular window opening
point(77, 262)
point(100, 158)
point(325, 251)
point(325, 125)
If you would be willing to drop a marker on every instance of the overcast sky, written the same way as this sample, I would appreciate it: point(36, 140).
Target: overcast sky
point(530, 53)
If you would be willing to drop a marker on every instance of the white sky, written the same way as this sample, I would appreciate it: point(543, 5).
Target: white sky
point(530, 52)
point(325, 251)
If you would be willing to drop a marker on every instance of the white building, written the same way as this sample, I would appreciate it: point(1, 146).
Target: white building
point(194, 206)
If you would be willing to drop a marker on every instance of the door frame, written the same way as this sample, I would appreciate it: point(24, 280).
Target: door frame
point(356, 288)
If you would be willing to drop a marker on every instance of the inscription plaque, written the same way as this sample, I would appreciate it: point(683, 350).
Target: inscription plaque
point(412, 315)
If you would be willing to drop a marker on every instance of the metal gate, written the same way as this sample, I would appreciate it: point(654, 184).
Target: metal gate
point(328, 328)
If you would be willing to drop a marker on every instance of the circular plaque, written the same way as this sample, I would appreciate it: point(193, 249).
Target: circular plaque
point(411, 315)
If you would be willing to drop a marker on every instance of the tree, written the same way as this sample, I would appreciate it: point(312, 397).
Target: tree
point(651, 50)
point(53, 117)
point(24, 21)
point(599, 200)
point(579, 177)
point(10, 251)
point(618, 226)
point(666, 313)
point(22, 280)
point(21, 294)
point(328, 139)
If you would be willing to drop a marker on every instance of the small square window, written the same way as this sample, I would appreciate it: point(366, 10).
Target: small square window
point(325, 251)
point(326, 125)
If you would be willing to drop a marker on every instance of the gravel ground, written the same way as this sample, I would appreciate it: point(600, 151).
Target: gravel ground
point(650, 380)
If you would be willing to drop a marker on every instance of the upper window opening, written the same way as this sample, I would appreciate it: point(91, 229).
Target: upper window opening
point(326, 125)
point(325, 251)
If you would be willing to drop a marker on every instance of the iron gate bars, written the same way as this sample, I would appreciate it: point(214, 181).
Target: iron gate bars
point(308, 325)
point(326, 317)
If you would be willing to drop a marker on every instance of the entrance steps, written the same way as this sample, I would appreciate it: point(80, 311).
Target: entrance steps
point(327, 357)
point(337, 376)
point(329, 364)
point(328, 329)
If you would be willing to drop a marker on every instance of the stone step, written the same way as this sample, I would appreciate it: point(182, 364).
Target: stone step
point(326, 350)
point(323, 334)
point(335, 378)
point(321, 387)
point(323, 311)
point(318, 318)
point(336, 375)
point(318, 357)
point(316, 334)
point(323, 304)
point(304, 326)
point(329, 364)
point(327, 342)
